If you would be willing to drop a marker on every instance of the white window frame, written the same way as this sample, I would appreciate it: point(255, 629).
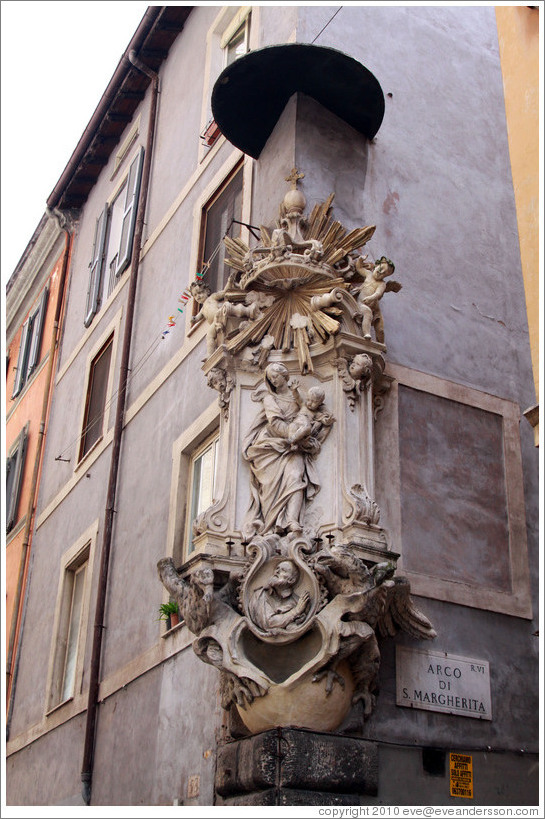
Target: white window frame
point(127, 144)
point(101, 281)
point(80, 554)
point(235, 230)
point(31, 342)
point(225, 25)
point(242, 20)
point(201, 431)
point(211, 443)
point(15, 461)
point(196, 326)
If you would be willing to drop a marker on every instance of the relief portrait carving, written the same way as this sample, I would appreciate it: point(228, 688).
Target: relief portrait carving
point(276, 605)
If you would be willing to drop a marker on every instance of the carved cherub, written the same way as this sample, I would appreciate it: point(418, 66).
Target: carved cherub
point(371, 291)
point(354, 375)
point(311, 417)
point(301, 426)
point(223, 382)
point(216, 308)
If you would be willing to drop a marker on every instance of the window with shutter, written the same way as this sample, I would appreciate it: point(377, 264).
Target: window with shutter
point(37, 330)
point(114, 233)
point(96, 265)
point(14, 477)
point(129, 214)
point(30, 347)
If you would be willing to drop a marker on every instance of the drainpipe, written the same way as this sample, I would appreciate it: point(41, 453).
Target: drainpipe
point(94, 672)
point(16, 629)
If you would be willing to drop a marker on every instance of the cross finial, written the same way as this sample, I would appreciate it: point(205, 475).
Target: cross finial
point(294, 178)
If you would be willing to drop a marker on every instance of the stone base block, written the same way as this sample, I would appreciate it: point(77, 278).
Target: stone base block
point(296, 767)
point(285, 796)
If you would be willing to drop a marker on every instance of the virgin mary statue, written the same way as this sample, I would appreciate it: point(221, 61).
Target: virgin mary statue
point(284, 476)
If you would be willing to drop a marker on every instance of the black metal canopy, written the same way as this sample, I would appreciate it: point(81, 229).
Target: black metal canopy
point(251, 93)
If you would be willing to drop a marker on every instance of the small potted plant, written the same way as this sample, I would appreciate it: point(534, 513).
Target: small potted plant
point(169, 612)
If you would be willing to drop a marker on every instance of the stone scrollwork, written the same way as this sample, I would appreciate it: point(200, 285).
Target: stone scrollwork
point(366, 510)
point(325, 603)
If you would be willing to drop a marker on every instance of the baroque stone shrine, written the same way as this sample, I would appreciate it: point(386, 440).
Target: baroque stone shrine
point(293, 577)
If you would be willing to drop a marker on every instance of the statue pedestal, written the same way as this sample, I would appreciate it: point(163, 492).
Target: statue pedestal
point(289, 766)
point(305, 705)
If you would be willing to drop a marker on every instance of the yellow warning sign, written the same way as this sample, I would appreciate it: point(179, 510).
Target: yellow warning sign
point(461, 775)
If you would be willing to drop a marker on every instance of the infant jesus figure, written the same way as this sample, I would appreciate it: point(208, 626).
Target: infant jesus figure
point(312, 420)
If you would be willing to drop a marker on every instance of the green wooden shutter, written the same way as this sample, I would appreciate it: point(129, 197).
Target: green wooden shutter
point(96, 265)
point(129, 213)
point(22, 360)
point(37, 330)
point(14, 478)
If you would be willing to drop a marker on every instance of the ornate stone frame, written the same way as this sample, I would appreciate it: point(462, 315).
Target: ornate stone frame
point(516, 603)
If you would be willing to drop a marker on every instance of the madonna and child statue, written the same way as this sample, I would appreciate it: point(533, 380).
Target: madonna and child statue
point(293, 579)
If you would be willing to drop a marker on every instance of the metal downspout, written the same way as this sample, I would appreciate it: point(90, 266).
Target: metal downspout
point(16, 629)
point(94, 673)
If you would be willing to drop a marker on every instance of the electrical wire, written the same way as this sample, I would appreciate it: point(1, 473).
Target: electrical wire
point(326, 25)
point(146, 355)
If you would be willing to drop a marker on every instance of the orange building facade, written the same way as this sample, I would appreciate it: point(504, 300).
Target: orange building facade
point(33, 311)
point(518, 35)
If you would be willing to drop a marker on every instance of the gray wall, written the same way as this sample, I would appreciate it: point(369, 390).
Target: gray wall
point(436, 182)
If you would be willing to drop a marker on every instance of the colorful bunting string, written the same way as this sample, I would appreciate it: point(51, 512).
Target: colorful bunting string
point(186, 295)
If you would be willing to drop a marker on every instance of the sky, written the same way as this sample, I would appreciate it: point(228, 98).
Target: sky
point(57, 59)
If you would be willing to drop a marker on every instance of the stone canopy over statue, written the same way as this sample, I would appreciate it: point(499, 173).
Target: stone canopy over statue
point(293, 630)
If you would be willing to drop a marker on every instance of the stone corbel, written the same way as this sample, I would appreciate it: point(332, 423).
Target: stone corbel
point(380, 387)
point(221, 380)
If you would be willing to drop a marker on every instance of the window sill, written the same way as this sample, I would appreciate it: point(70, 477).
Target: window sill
point(199, 318)
point(59, 706)
point(170, 631)
point(16, 399)
point(85, 458)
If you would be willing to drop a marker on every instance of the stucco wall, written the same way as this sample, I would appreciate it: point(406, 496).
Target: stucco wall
point(518, 35)
point(436, 182)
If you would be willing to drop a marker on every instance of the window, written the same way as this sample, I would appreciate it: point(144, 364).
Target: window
point(227, 40)
point(72, 609)
point(238, 43)
point(126, 146)
point(95, 404)
point(112, 245)
point(201, 485)
point(14, 477)
point(220, 217)
point(70, 649)
point(31, 339)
